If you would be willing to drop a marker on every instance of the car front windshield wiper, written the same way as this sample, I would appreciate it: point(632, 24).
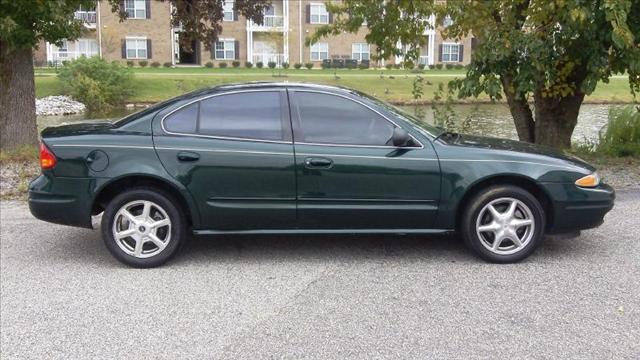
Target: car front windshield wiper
point(447, 134)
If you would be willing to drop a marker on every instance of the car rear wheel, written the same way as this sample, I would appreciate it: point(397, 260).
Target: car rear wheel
point(503, 224)
point(143, 228)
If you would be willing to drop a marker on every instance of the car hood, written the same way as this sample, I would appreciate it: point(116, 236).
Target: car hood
point(77, 129)
point(505, 145)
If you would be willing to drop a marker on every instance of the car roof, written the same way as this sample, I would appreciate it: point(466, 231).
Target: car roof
point(263, 85)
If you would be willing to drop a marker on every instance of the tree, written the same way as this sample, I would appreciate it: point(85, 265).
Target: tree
point(24, 23)
point(544, 56)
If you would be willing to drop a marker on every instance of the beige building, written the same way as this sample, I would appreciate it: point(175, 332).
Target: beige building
point(147, 35)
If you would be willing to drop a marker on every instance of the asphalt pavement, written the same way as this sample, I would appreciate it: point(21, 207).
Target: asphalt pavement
point(63, 296)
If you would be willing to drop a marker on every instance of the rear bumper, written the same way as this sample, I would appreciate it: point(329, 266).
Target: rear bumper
point(576, 208)
point(65, 201)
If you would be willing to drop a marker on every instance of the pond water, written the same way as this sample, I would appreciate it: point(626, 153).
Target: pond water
point(480, 119)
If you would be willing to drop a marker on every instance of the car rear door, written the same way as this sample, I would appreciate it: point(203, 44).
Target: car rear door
point(348, 177)
point(233, 152)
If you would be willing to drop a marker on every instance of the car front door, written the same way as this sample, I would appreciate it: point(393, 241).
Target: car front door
point(233, 152)
point(349, 176)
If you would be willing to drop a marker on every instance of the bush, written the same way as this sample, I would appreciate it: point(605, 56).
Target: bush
point(431, 67)
point(297, 65)
point(143, 63)
point(439, 66)
point(309, 65)
point(129, 63)
point(389, 66)
point(421, 66)
point(459, 66)
point(326, 65)
point(397, 66)
point(271, 65)
point(362, 66)
point(449, 66)
point(96, 83)
point(248, 64)
point(167, 64)
point(621, 135)
point(208, 64)
point(235, 64)
point(259, 64)
point(222, 65)
point(285, 65)
point(155, 64)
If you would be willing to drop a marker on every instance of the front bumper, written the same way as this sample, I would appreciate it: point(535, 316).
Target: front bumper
point(65, 201)
point(576, 208)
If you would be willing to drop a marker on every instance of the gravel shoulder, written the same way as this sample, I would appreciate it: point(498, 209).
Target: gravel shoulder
point(264, 297)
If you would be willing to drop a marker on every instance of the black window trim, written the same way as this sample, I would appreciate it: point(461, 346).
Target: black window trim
point(284, 111)
point(295, 118)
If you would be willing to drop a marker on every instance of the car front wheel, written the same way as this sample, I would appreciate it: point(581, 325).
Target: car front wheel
point(143, 228)
point(503, 224)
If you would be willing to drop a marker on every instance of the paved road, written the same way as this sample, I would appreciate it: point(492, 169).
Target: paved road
point(63, 296)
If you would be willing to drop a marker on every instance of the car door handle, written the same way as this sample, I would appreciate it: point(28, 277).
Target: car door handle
point(318, 163)
point(188, 156)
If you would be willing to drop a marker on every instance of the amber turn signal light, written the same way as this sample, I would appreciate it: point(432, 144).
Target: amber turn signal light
point(591, 180)
point(47, 158)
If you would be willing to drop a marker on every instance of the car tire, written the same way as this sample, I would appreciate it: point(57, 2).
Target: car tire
point(503, 224)
point(143, 228)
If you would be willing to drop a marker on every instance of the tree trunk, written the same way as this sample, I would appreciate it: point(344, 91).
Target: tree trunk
point(556, 119)
point(520, 111)
point(17, 98)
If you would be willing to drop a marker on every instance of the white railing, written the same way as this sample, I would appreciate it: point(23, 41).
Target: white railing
point(423, 60)
point(269, 22)
point(88, 17)
point(267, 58)
point(57, 57)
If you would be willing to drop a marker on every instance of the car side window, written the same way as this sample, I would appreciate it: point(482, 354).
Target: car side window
point(331, 119)
point(247, 115)
point(183, 121)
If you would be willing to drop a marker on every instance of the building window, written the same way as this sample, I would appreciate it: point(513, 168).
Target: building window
point(228, 10)
point(225, 50)
point(135, 9)
point(360, 51)
point(136, 48)
point(319, 14)
point(319, 51)
point(87, 47)
point(451, 53)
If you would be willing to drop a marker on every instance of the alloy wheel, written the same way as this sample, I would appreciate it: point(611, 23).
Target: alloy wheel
point(505, 226)
point(142, 228)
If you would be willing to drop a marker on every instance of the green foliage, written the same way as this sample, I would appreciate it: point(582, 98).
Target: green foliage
point(438, 66)
point(308, 65)
point(448, 66)
point(208, 64)
point(388, 66)
point(167, 64)
point(143, 63)
point(271, 64)
point(297, 65)
point(222, 65)
point(248, 64)
point(155, 64)
point(621, 135)
point(285, 65)
point(259, 64)
point(96, 83)
point(235, 64)
point(129, 63)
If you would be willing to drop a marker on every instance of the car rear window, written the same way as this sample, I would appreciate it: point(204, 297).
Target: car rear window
point(184, 120)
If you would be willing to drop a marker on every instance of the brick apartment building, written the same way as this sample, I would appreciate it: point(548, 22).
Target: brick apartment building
point(148, 35)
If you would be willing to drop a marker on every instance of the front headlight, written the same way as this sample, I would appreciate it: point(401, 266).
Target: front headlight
point(589, 181)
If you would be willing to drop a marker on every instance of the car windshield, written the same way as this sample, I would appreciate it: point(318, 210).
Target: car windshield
point(420, 125)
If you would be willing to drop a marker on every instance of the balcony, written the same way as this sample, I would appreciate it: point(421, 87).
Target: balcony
point(271, 23)
point(89, 18)
point(57, 57)
point(267, 58)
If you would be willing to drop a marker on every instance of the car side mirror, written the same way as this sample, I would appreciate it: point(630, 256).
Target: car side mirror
point(400, 137)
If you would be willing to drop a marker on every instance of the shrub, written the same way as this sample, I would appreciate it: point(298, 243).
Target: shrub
point(222, 65)
point(621, 135)
point(143, 63)
point(309, 65)
point(248, 64)
point(208, 64)
point(326, 65)
point(259, 64)
point(459, 66)
point(285, 65)
point(431, 67)
point(129, 63)
point(235, 64)
point(389, 66)
point(396, 66)
point(96, 83)
point(155, 64)
point(421, 66)
point(167, 64)
point(439, 66)
point(297, 65)
point(362, 66)
point(449, 66)
point(271, 64)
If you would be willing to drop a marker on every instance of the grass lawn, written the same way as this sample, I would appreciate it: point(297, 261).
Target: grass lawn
point(156, 84)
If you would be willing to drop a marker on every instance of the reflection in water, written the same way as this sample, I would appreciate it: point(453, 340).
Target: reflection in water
point(495, 120)
point(485, 119)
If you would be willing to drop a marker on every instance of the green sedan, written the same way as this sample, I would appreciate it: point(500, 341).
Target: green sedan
point(288, 158)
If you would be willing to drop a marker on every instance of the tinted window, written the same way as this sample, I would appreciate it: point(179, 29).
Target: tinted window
point(332, 119)
point(183, 120)
point(250, 115)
